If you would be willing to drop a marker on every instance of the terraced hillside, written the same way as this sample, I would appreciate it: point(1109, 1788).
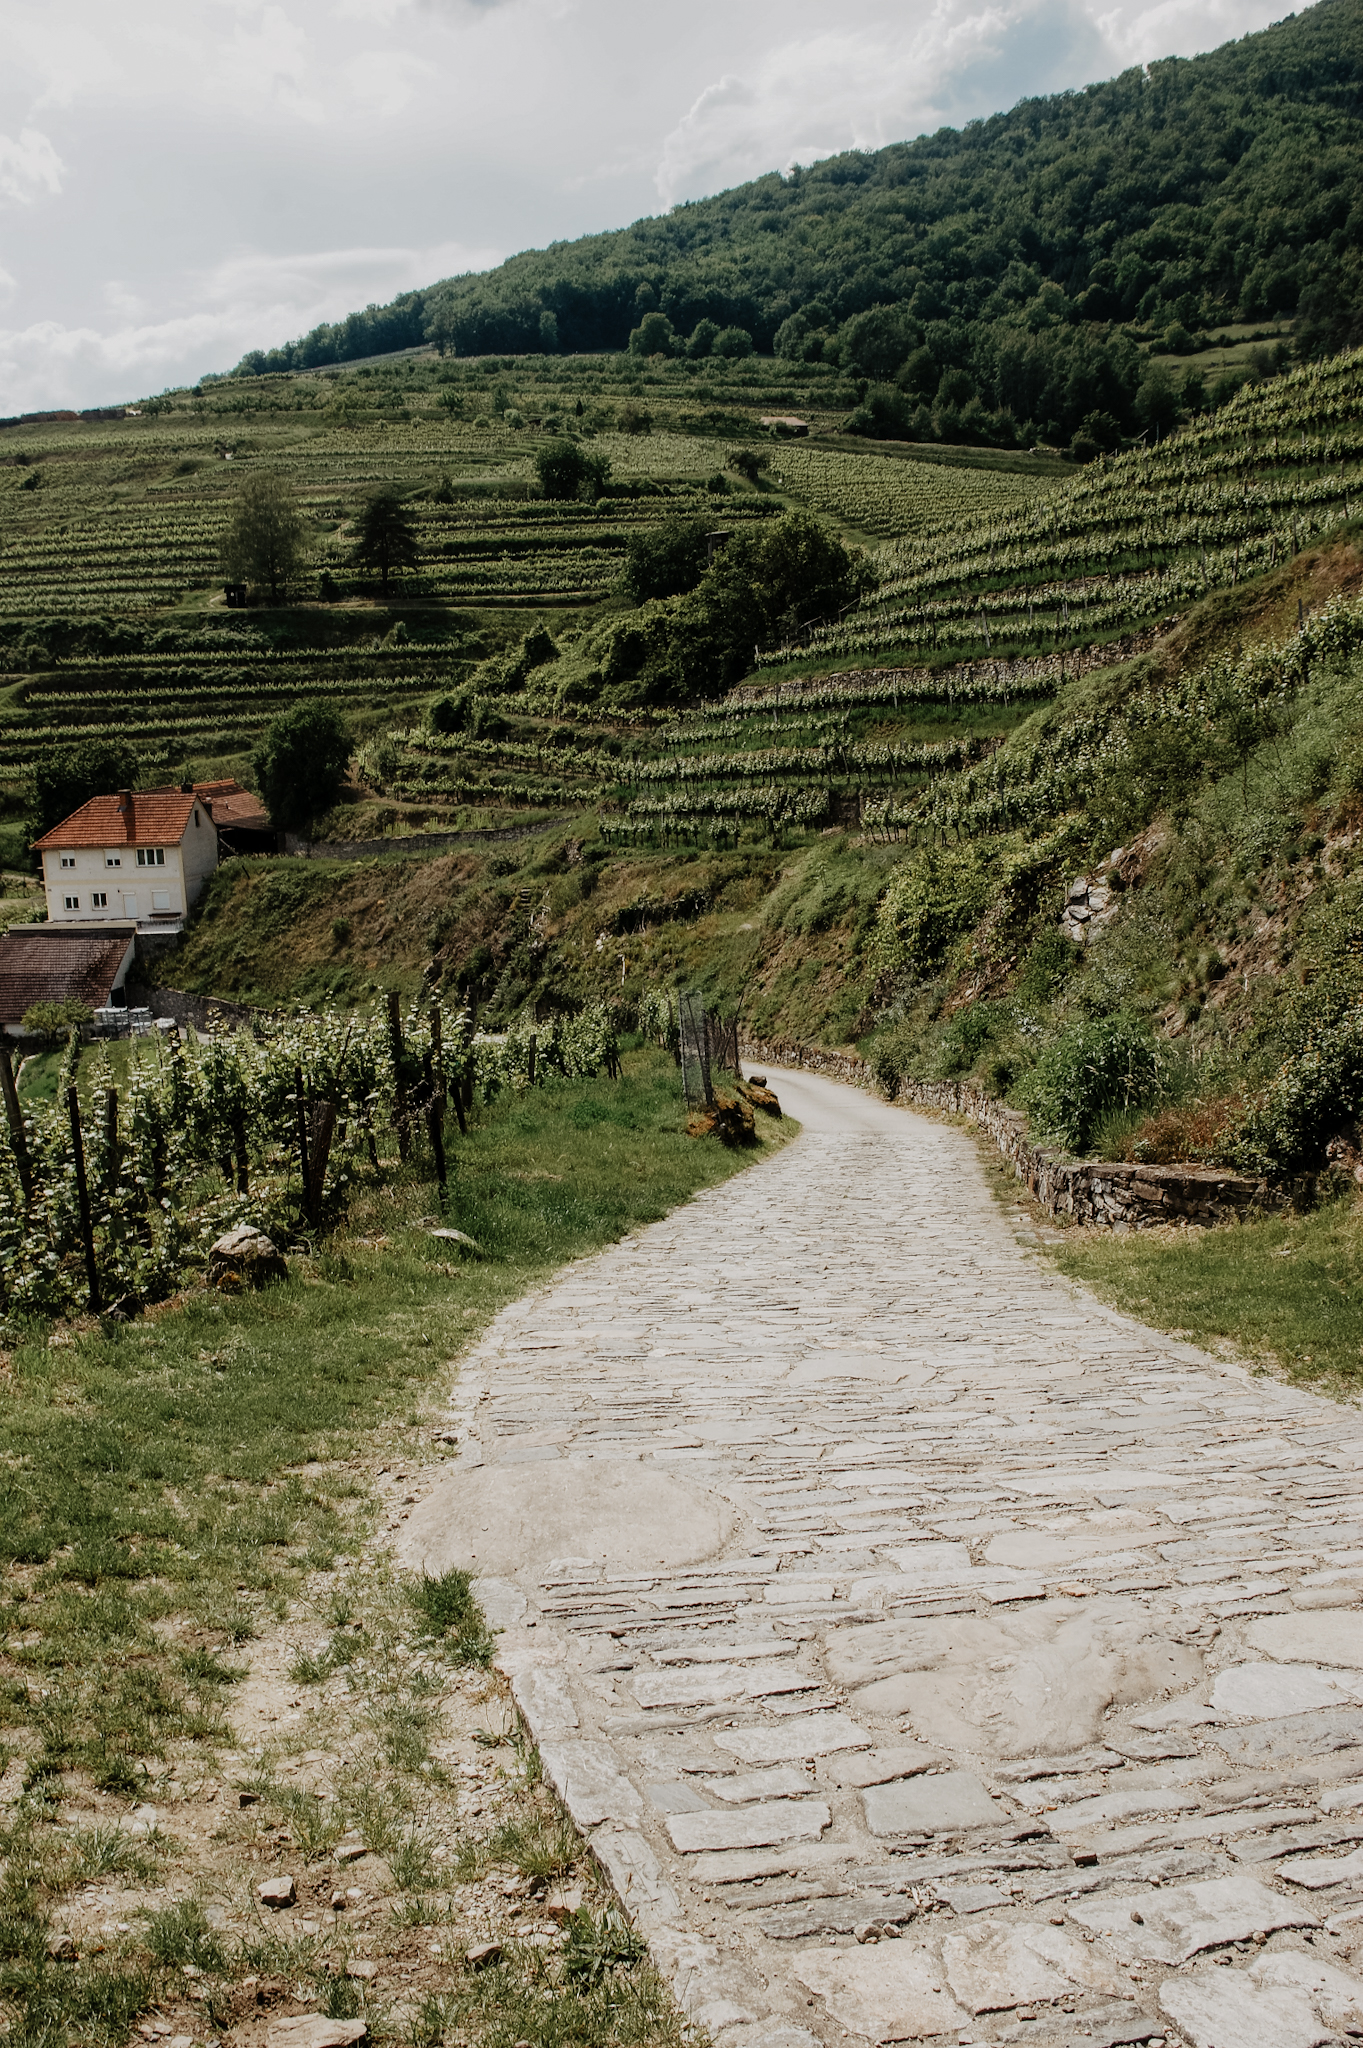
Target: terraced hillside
point(1136, 536)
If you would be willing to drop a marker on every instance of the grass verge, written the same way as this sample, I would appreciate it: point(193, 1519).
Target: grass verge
point(1284, 1291)
point(172, 1484)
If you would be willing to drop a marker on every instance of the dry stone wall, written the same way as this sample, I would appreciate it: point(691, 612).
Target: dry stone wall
point(1111, 1194)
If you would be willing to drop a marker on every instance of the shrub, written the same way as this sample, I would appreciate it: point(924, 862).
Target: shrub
point(567, 471)
point(54, 1020)
point(1315, 1092)
point(1090, 1071)
point(929, 902)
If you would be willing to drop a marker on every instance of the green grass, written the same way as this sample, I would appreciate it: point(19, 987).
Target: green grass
point(154, 1469)
point(1284, 1291)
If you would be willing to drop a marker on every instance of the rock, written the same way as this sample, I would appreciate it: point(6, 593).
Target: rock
point(248, 1799)
point(1316, 1872)
point(561, 1905)
point(1311, 1638)
point(459, 1237)
point(997, 1965)
point(365, 1972)
point(350, 1850)
point(315, 2030)
point(588, 1779)
point(1222, 2009)
point(277, 1892)
point(942, 1804)
point(244, 1258)
point(483, 1954)
point(1290, 1736)
point(898, 1996)
point(1179, 1920)
point(752, 1827)
point(804, 1735)
point(881, 1766)
point(1337, 1997)
point(61, 1947)
point(782, 1781)
point(1252, 1692)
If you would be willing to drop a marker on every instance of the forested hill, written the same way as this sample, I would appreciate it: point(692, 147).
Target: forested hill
point(1228, 186)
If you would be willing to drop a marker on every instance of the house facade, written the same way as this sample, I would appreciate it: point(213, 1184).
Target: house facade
point(139, 857)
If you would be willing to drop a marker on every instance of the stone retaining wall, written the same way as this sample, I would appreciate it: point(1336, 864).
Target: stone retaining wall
point(1112, 1194)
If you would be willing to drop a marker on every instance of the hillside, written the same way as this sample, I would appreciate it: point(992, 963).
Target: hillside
point(1015, 263)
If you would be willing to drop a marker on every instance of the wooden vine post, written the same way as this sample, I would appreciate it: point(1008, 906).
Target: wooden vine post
point(399, 1085)
point(87, 1235)
point(302, 1114)
point(111, 1139)
point(17, 1135)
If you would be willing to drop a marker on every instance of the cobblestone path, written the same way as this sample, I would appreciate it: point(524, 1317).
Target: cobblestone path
point(928, 1651)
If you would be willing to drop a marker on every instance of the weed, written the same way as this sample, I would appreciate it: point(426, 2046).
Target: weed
point(597, 1945)
point(449, 1611)
point(542, 1846)
point(180, 1934)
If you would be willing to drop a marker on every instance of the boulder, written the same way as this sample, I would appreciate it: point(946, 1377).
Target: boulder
point(245, 1258)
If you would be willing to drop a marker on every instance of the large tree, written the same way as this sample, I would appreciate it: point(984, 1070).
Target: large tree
point(300, 764)
point(567, 471)
point(386, 537)
point(66, 777)
point(266, 538)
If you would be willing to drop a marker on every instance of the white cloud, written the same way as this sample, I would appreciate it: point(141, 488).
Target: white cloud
point(230, 308)
point(173, 155)
point(895, 77)
point(29, 166)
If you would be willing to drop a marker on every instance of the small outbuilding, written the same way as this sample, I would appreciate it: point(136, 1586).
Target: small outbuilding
point(784, 423)
point(47, 963)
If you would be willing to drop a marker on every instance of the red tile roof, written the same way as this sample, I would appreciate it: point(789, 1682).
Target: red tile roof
point(147, 817)
point(46, 964)
point(228, 804)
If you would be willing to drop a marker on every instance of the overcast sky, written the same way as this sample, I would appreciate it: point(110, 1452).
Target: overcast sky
point(181, 180)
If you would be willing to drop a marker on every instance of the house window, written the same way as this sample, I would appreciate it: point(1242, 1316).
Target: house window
point(160, 899)
point(99, 899)
point(68, 860)
point(151, 856)
point(70, 902)
point(113, 860)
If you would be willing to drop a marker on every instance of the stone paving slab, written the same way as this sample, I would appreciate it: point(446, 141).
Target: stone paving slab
point(928, 1652)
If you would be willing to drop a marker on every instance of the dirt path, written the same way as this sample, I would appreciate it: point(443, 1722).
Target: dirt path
point(926, 1649)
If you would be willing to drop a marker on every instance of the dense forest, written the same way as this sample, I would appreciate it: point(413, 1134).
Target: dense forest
point(986, 284)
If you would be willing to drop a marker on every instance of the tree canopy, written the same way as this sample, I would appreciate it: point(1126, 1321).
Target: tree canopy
point(385, 536)
point(300, 764)
point(67, 777)
point(1182, 195)
point(266, 539)
point(567, 471)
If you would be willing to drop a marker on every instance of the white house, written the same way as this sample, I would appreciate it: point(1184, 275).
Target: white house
point(141, 856)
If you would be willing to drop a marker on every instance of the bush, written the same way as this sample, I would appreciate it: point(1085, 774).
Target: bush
point(666, 560)
point(1315, 1093)
point(1089, 1072)
point(300, 764)
point(929, 902)
point(567, 471)
point(54, 1020)
point(734, 342)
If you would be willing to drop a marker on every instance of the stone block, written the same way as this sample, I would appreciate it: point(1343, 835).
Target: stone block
point(1224, 2009)
point(1178, 1921)
point(1335, 1639)
point(589, 1781)
point(804, 1735)
point(750, 1827)
point(1001, 1965)
point(894, 1993)
point(315, 2030)
point(1256, 1692)
point(945, 1803)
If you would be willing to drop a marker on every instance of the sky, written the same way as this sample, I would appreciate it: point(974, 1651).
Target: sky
point(182, 180)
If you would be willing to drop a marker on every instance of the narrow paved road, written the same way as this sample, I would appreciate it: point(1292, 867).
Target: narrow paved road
point(927, 1650)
